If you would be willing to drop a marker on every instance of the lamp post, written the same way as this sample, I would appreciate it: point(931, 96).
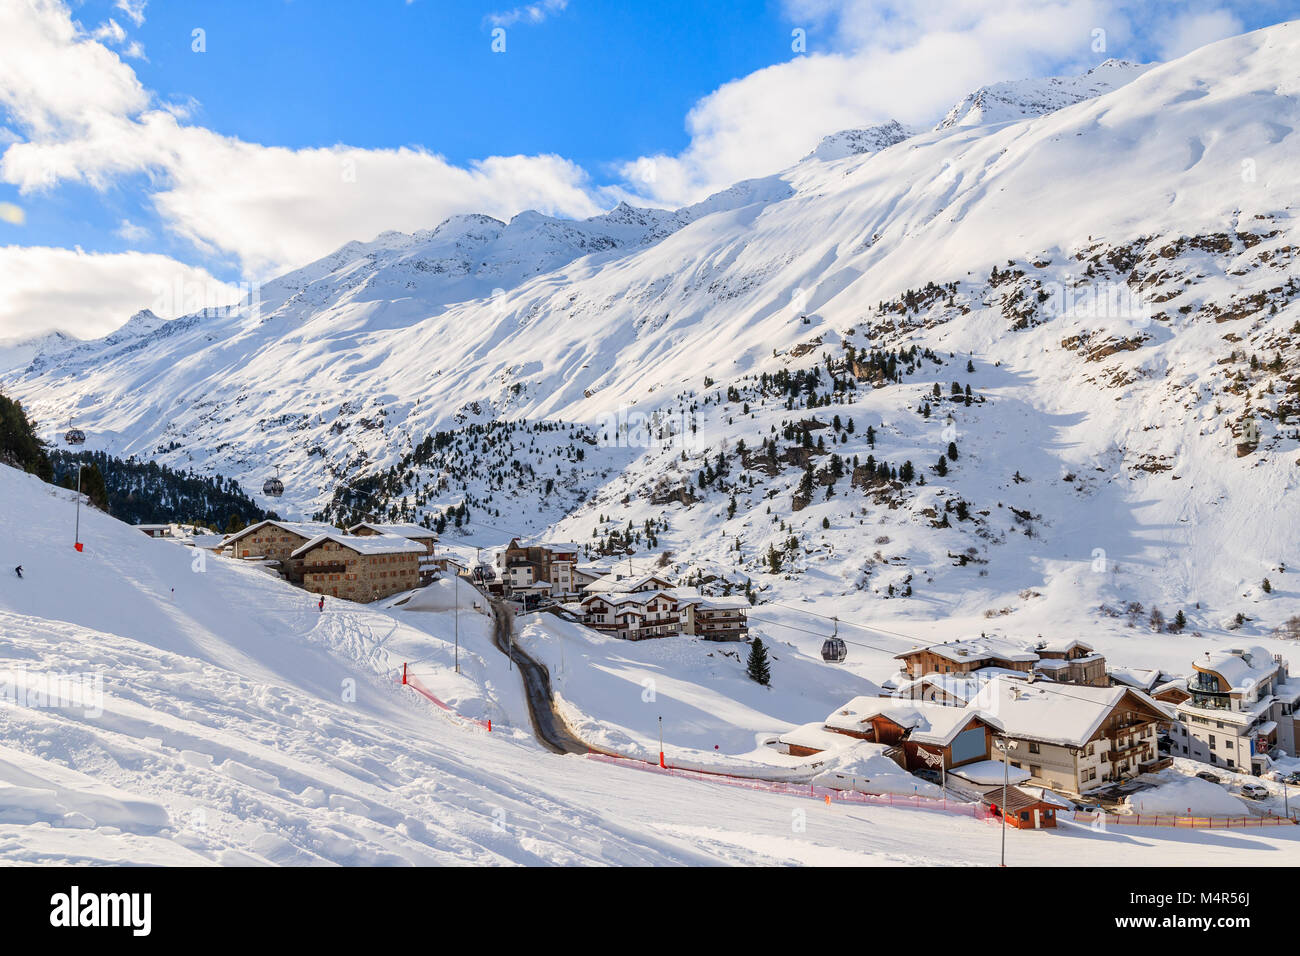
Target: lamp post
point(1006, 745)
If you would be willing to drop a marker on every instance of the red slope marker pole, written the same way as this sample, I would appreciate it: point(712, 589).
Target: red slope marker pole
point(403, 672)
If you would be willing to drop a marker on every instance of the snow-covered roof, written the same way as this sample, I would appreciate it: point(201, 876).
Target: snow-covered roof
point(401, 530)
point(619, 598)
point(963, 687)
point(976, 649)
point(304, 529)
point(365, 544)
point(816, 737)
point(1288, 692)
point(988, 772)
point(616, 582)
point(1064, 714)
point(712, 602)
point(1063, 645)
point(1138, 677)
point(1179, 683)
point(1242, 668)
point(566, 547)
point(928, 722)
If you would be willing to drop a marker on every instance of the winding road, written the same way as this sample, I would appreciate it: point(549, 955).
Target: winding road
point(548, 725)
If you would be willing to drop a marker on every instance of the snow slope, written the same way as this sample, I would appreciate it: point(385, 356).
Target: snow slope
point(227, 733)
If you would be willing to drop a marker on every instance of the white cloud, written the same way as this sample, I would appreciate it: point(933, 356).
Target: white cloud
point(1183, 33)
point(131, 232)
point(55, 81)
point(528, 13)
point(110, 32)
point(88, 295)
point(870, 61)
point(271, 208)
point(12, 214)
point(133, 9)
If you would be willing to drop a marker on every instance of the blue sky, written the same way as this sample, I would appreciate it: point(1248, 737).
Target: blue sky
point(301, 124)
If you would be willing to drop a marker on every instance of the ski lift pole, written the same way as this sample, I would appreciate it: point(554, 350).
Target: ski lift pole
point(76, 535)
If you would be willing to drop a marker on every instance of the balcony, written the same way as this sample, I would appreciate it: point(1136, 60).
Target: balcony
point(1117, 753)
point(1124, 728)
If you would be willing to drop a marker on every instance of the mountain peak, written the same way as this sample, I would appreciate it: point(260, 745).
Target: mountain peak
point(855, 142)
point(1015, 100)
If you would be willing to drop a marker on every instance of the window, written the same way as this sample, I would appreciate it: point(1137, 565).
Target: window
point(1211, 741)
point(1034, 748)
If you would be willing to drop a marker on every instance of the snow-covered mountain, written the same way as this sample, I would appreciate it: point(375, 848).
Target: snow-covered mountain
point(1112, 255)
point(857, 142)
point(18, 353)
point(1021, 99)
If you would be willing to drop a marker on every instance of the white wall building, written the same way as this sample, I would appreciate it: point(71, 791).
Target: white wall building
point(1242, 708)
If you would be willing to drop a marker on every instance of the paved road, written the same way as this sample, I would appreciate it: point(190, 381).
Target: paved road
point(548, 725)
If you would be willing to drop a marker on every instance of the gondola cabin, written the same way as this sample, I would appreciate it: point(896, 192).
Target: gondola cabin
point(834, 650)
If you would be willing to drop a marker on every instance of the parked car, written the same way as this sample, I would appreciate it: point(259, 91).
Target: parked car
point(930, 776)
point(1206, 775)
point(1254, 791)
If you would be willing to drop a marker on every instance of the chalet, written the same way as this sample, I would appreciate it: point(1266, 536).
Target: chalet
point(520, 566)
point(412, 532)
point(1241, 705)
point(711, 617)
point(1071, 662)
point(927, 734)
point(965, 656)
point(633, 616)
point(275, 542)
point(359, 567)
point(1073, 738)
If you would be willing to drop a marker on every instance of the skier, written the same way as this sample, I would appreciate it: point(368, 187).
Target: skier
point(19, 570)
point(321, 605)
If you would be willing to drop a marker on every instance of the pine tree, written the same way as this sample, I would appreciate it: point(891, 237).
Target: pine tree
point(19, 445)
point(93, 487)
point(1180, 622)
point(757, 669)
point(1268, 586)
